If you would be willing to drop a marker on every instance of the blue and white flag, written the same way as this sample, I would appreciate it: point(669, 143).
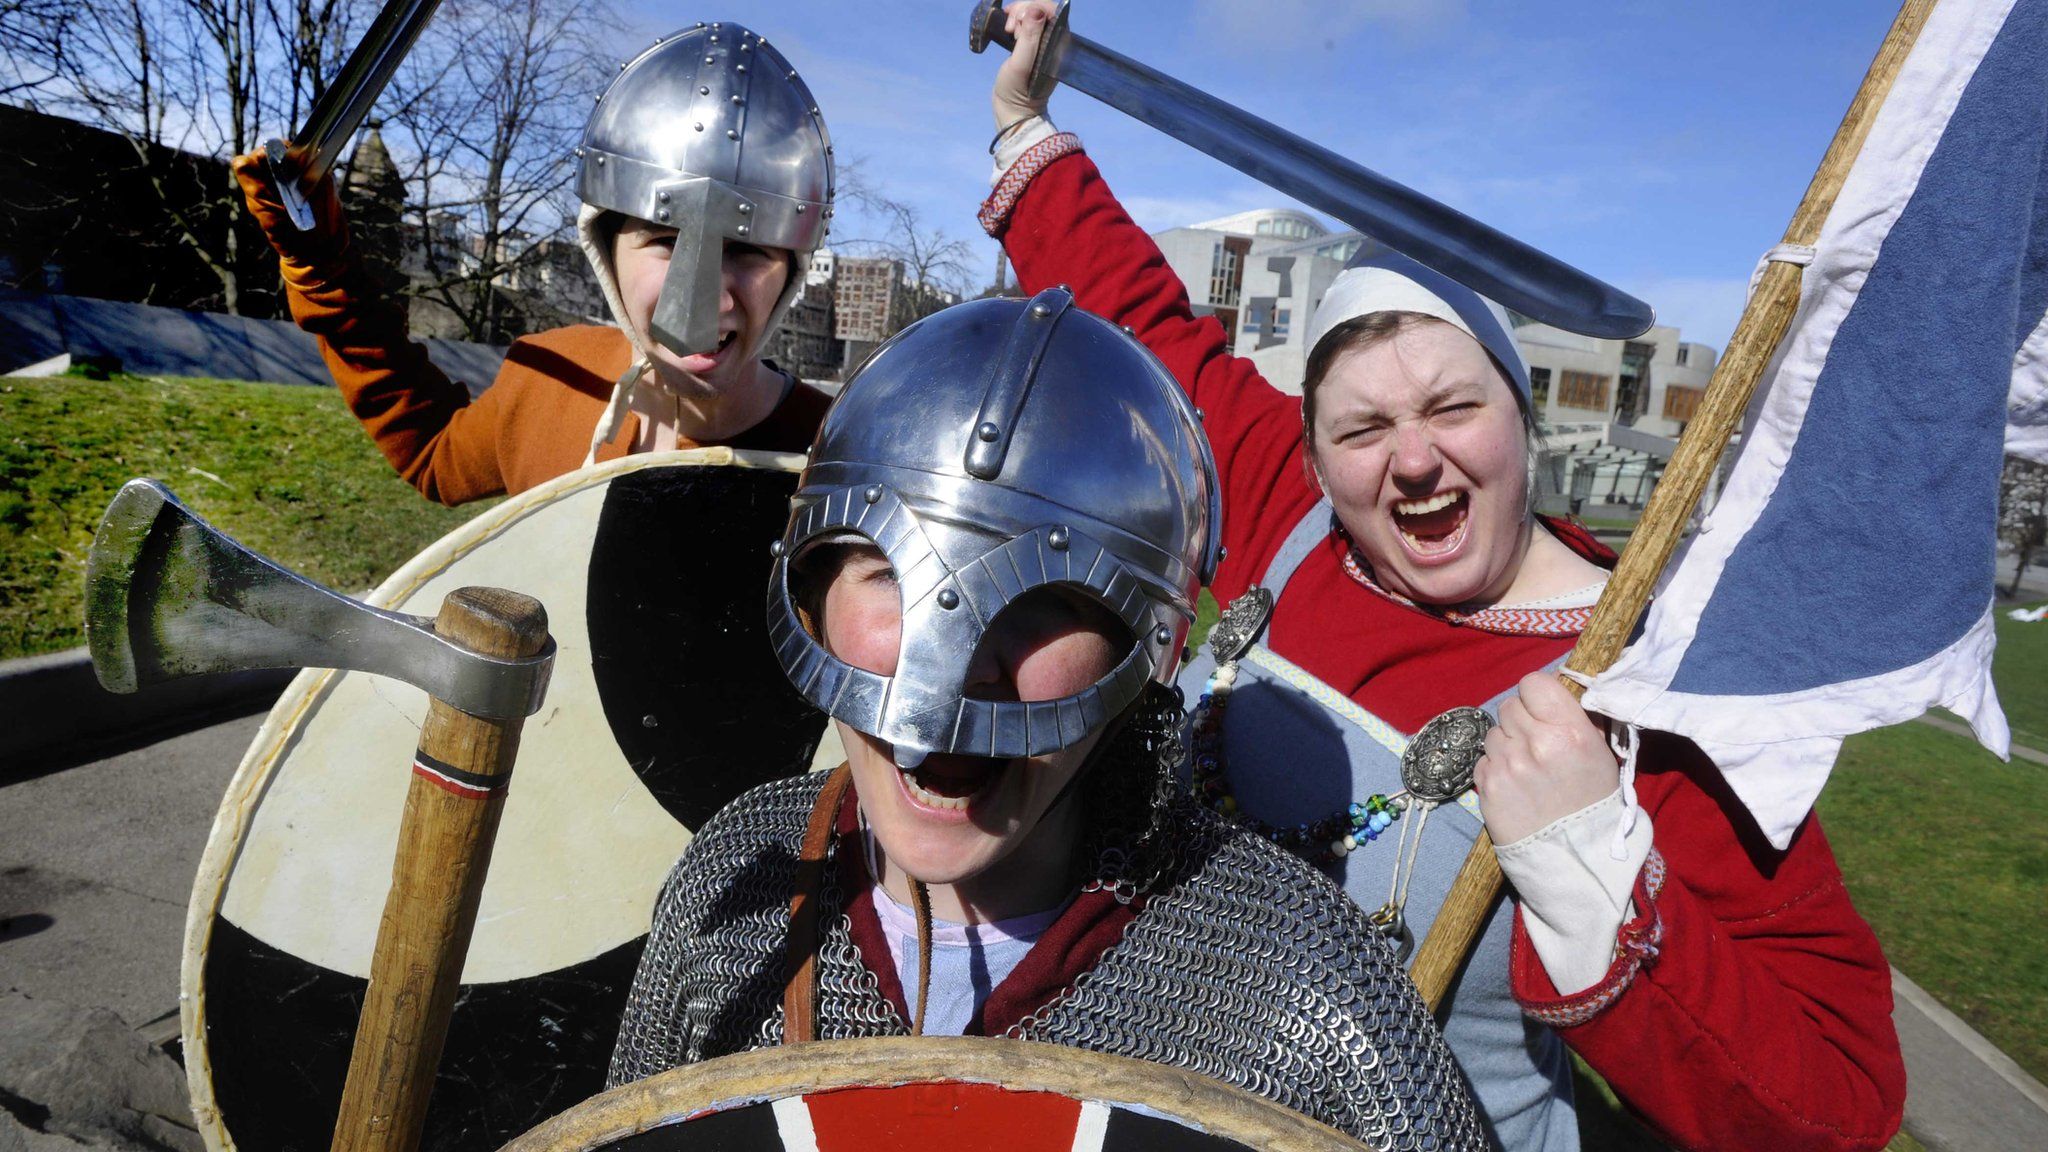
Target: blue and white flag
point(1844, 580)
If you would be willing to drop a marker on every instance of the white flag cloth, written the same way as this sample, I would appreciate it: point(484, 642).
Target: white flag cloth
point(1844, 581)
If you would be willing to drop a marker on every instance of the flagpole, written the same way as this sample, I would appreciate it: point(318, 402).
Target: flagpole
point(1763, 325)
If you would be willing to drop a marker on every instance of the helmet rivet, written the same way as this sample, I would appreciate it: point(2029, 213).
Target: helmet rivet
point(744, 230)
point(746, 208)
point(791, 76)
point(662, 196)
point(710, 60)
point(1041, 310)
point(732, 133)
point(739, 67)
point(948, 599)
point(799, 209)
point(622, 65)
point(600, 161)
point(872, 494)
point(1162, 634)
point(579, 153)
point(736, 100)
point(775, 549)
point(988, 432)
point(714, 37)
point(663, 213)
point(703, 89)
point(700, 125)
point(1200, 415)
point(1222, 554)
point(1127, 330)
point(1057, 538)
point(814, 109)
point(1067, 290)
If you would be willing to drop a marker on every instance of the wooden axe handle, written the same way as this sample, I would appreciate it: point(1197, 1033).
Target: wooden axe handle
point(1764, 322)
point(459, 777)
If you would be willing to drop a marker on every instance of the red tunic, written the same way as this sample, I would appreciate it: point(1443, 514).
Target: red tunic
point(1762, 1015)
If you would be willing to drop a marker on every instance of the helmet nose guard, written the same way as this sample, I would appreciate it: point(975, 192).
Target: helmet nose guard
point(993, 448)
point(710, 131)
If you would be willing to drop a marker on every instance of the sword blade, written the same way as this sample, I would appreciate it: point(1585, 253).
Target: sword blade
point(342, 106)
point(1483, 258)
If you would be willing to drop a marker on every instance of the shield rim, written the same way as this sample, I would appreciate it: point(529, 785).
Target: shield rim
point(252, 777)
point(767, 1074)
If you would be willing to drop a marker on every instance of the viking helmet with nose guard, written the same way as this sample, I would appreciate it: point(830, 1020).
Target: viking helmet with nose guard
point(990, 449)
point(711, 132)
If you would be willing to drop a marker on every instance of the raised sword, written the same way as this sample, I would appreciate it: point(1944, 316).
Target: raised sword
point(1483, 258)
point(297, 166)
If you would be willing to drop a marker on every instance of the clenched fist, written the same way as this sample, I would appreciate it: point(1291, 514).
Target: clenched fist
point(1546, 759)
point(1011, 97)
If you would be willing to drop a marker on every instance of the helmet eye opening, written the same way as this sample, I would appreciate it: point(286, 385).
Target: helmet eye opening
point(1059, 632)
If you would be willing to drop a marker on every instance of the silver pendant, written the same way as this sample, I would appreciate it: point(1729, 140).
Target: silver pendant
point(1437, 765)
point(1240, 625)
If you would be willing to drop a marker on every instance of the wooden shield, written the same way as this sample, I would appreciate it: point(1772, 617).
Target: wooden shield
point(952, 1094)
point(666, 703)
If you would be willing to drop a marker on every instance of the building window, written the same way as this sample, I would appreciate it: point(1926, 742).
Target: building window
point(1260, 314)
point(1226, 271)
point(1539, 389)
point(1582, 390)
point(1681, 402)
point(1684, 354)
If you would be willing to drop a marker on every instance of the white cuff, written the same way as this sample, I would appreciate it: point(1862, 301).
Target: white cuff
point(1012, 147)
point(1575, 895)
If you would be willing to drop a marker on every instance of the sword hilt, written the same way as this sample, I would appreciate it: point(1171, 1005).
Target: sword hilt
point(985, 27)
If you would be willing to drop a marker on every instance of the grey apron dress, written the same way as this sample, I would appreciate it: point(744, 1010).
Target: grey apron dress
point(1296, 751)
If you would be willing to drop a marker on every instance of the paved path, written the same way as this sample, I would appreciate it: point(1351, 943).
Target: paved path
point(96, 866)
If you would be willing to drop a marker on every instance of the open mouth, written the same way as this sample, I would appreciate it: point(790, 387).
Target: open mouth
point(1435, 525)
point(950, 783)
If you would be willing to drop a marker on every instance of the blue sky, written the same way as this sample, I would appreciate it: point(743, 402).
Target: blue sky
point(1662, 146)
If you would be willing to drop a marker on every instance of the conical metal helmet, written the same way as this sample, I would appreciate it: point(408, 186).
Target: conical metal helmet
point(987, 450)
point(711, 132)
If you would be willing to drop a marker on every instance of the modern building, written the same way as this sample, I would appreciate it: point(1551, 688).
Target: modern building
point(1212, 258)
point(804, 343)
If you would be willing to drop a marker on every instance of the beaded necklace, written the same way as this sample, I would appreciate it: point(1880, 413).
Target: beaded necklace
point(1321, 842)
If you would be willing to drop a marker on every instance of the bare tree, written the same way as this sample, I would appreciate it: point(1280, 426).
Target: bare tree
point(935, 265)
point(2022, 513)
point(489, 109)
point(178, 79)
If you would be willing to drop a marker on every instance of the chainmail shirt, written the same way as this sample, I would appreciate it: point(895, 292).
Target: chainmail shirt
point(1243, 965)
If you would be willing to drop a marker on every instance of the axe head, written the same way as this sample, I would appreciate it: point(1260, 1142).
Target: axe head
point(168, 595)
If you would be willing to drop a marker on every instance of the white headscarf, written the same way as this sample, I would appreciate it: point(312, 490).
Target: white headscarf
point(1379, 279)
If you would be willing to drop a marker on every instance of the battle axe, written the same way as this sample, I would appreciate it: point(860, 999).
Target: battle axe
point(168, 595)
point(1484, 259)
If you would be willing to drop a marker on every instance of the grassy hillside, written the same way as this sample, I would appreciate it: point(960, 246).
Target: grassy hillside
point(284, 469)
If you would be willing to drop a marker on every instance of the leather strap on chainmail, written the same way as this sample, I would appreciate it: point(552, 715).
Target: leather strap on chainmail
point(800, 994)
point(921, 904)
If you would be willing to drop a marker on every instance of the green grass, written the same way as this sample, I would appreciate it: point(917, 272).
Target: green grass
point(1945, 851)
point(2020, 667)
point(284, 469)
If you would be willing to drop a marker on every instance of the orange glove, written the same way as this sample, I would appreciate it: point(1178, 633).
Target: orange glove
point(309, 260)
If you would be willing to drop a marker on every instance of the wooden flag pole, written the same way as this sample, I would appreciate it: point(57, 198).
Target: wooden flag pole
point(1764, 322)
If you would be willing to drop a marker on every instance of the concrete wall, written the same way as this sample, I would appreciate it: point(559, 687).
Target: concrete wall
point(148, 340)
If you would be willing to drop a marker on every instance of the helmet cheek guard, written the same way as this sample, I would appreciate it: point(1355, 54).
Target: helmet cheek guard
point(971, 522)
